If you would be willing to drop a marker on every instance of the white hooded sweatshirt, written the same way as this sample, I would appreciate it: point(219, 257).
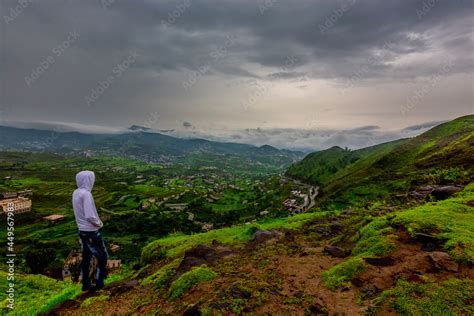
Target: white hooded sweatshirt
point(85, 211)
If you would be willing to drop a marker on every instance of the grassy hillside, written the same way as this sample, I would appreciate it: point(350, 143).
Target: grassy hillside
point(292, 274)
point(320, 167)
point(441, 155)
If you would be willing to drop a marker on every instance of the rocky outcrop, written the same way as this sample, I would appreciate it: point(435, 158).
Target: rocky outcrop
point(442, 261)
point(429, 242)
point(336, 251)
point(444, 192)
point(202, 254)
point(119, 287)
point(382, 262)
point(438, 192)
point(235, 291)
point(262, 236)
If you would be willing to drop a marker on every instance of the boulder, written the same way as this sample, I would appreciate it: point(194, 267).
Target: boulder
point(119, 287)
point(370, 291)
point(200, 251)
point(188, 262)
point(416, 195)
point(425, 190)
point(382, 262)
point(443, 261)
point(202, 254)
point(261, 236)
point(192, 311)
point(236, 291)
point(357, 282)
point(426, 239)
point(444, 192)
point(317, 309)
point(336, 251)
point(299, 294)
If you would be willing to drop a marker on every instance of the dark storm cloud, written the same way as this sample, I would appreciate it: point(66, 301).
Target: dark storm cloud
point(188, 125)
point(177, 40)
point(366, 128)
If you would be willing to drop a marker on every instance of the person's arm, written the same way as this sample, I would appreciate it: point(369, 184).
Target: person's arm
point(90, 211)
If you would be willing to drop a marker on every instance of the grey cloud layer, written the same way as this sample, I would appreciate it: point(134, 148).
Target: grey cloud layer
point(351, 41)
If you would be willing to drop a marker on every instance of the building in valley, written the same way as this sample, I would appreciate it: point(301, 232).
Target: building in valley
point(8, 195)
point(53, 219)
point(19, 205)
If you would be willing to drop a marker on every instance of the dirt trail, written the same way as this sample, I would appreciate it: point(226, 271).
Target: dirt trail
point(303, 275)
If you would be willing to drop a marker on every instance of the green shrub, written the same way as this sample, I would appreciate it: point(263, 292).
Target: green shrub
point(451, 297)
point(341, 274)
point(444, 176)
point(189, 279)
point(161, 277)
point(376, 239)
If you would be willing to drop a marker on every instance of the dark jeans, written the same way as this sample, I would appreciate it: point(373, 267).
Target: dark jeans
point(93, 245)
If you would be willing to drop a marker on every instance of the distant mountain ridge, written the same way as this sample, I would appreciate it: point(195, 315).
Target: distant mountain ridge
point(137, 143)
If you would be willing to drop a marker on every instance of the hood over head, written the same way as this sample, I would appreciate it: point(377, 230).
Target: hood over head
point(85, 180)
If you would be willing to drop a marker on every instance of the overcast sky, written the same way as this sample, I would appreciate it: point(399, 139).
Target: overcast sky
point(295, 74)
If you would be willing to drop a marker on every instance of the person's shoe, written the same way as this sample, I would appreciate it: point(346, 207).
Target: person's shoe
point(87, 291)
point(99, 287)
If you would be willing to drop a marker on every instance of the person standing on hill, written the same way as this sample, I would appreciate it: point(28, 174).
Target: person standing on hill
point(89, 225)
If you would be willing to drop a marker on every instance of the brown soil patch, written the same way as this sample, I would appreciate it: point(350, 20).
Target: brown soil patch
point(410, 263)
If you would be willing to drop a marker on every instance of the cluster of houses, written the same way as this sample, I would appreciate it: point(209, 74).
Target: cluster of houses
point(292, 205)
point(19, 201)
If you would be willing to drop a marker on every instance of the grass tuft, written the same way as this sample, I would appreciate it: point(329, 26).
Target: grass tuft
point(451, 297)
point(189, 279)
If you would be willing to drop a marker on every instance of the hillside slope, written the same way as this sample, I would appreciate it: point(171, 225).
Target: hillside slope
point(323, 263)
point(444, 154)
